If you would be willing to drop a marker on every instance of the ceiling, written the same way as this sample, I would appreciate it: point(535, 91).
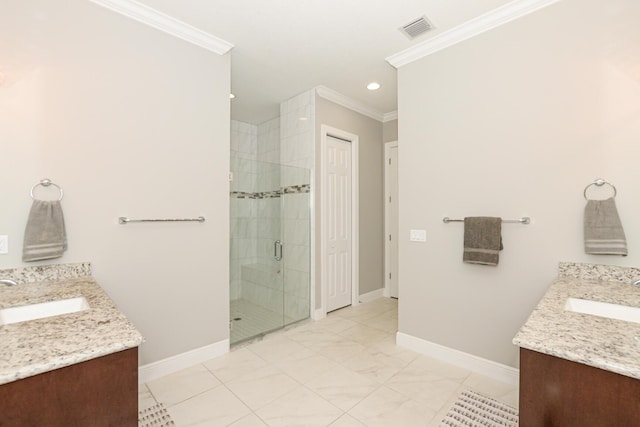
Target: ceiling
point(285, 47)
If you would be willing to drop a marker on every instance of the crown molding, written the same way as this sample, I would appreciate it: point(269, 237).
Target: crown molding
point(391, 115)
point(352, 104)
point(167, 24)
point(472, 28)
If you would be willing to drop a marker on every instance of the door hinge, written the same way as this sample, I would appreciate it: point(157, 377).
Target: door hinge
point(389, 237)
point(389, 276)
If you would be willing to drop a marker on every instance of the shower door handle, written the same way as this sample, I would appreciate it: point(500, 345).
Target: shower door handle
point(277, 250)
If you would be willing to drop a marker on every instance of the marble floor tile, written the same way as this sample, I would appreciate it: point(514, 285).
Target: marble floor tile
point(341, 350)
point(375, 365)
point(359, 313)
point(313, 338)
point(388, 408)
point(343, 371)
point(347, 421)
point(182, 385)
point(251, 420)
point(235, 364)
point(275, 348)
point(389, 347)
point(343, 387)
point(364, 335)
point(333, 324)
point(262, 386)
point(434, 393)
point(213, 408)
point(145, 398)
point(305, 366)
point(299, 408)
point(424, 366)
point(387, 321)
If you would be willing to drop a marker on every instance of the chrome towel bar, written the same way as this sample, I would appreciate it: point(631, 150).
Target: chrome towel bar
point(125, 220)
point(523, 220)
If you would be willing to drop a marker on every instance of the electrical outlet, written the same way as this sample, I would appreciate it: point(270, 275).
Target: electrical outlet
point(4, 244)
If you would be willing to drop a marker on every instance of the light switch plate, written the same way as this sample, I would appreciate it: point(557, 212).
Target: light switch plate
point(4, 245)
point(418, 235)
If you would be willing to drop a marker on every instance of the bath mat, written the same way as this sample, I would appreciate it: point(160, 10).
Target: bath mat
point(155, 416)
point(475, 410)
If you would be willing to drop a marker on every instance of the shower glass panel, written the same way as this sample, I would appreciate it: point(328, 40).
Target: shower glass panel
point(269, 248)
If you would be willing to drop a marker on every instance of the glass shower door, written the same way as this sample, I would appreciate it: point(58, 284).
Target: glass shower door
point(257, 283)
point(296, 229)
point(269, 247)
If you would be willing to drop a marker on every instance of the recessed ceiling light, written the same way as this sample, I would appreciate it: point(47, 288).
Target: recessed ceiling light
point(231, 96)
point(373, 86)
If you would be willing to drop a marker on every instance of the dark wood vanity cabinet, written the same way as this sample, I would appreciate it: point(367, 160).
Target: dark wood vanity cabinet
point(555, 392)
point(98, 392)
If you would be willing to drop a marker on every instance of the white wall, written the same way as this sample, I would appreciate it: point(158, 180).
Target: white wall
point(514, 122)
point(130, 122)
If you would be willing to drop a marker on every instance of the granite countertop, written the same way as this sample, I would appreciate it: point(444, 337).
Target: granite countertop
point(609, 344)
point(37, 346)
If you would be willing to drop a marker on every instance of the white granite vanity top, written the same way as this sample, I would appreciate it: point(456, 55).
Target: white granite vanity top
point(609, 344)
point(36, 346)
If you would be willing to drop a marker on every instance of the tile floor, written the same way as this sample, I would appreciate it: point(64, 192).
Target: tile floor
point(342, 371)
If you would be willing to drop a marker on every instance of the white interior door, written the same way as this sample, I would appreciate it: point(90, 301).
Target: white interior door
point(337, 200)
point(391, 180)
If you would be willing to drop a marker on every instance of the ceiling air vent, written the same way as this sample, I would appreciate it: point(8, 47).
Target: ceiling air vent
point(417, 27)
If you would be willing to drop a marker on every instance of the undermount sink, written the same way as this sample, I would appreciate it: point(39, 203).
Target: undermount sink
point(603, 309)
point(39, 311)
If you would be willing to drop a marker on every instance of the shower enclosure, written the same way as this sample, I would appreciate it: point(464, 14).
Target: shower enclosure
point(270, 247)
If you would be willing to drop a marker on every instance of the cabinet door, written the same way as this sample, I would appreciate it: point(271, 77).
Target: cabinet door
point(558, 392)
point(99, 392)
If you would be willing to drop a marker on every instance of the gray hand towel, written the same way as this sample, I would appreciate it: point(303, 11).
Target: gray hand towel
point(482, 240)
point(603, 233)
point(45, 236)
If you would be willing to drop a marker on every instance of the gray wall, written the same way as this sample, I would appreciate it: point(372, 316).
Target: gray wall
point(514, 122)
point(390, 131)
point(371, 179)
point(129, 121)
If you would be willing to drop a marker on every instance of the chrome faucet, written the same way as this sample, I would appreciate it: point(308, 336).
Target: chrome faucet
point(637, 282)
point(8, 282)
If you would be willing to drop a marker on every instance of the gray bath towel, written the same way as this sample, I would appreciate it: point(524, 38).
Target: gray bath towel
point(45, 236)
point(482, 240)
point(603, 233)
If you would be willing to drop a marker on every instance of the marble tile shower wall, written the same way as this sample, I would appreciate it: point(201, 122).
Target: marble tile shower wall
point(244, 227)
point(297, 133)
point(269, 141)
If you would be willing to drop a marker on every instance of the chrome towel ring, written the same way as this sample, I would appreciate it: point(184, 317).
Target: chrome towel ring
point(46, 183)
point(599, 183)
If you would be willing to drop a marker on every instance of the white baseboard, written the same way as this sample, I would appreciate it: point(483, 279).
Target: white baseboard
point(370, 296)
point(318, 314)
point(178, 362)
point(485, 367)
